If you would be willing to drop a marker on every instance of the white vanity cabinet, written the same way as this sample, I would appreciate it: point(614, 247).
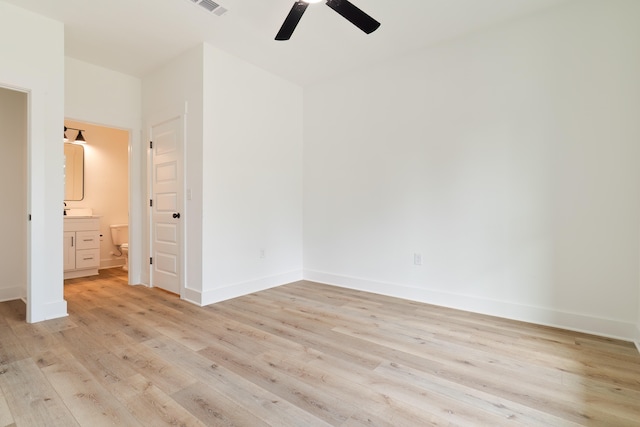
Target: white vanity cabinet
point(81, 247)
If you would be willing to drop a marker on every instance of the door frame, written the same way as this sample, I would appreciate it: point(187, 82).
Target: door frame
point(26, 296)
point(157, 119)
point(133, 275)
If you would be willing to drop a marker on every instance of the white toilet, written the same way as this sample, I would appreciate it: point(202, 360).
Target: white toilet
point(120, 238)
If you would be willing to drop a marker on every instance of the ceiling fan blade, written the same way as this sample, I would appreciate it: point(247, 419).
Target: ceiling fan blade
point(354, 15)
point(291, 22)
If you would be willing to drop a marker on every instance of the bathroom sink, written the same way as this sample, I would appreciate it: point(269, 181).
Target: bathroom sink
point(79, 213)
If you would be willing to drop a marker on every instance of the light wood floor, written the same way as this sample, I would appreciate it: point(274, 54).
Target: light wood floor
point(301, 355)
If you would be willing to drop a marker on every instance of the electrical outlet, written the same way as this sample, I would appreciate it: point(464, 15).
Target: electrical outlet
point(263, 253)
point(417, 259)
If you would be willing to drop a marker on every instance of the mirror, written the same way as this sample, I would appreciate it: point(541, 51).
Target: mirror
point(73, 172)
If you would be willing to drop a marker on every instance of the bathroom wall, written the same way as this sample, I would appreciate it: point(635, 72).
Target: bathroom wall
point(13, 187)
point(106, 182)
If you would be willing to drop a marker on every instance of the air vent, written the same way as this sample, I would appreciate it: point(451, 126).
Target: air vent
point(220, 11)
point(210, 6)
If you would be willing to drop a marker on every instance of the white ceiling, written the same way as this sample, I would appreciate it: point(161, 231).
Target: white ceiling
point(137, 36)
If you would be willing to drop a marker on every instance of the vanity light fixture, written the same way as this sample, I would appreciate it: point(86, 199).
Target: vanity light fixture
point(79, 138)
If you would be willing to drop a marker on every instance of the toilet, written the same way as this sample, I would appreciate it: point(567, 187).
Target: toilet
point(120, 238)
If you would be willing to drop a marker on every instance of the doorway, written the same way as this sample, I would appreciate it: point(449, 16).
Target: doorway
point(14, 189)
point(105, 183)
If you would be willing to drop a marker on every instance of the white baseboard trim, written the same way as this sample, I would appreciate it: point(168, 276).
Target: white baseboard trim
point(193, 296)
point(232, 291)
point(111, 263)
point(52, 310)
point(12, 293)
point(637, 340)
point(539, 315)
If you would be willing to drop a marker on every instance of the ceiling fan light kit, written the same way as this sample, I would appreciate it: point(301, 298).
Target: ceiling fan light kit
point(346, 9)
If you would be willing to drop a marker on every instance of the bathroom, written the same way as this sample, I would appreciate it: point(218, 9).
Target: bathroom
point(105, 183)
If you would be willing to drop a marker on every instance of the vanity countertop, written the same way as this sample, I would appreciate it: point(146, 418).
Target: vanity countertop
point(81, 223)
point(78, 213)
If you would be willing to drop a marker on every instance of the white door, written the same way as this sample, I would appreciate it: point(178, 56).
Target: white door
point(166, 208)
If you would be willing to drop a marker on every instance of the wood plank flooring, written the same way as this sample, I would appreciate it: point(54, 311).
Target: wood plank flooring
point(303, 354)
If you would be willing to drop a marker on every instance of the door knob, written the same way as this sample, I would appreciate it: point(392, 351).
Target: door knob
point(176, 215)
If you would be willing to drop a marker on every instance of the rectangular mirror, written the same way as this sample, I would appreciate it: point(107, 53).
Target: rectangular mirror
point(73, 172)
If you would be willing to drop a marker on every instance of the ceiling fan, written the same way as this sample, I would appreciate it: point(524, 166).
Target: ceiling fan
point(348, 10)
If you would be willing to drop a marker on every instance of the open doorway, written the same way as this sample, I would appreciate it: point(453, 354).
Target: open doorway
point(104, 192)
point(14, 190)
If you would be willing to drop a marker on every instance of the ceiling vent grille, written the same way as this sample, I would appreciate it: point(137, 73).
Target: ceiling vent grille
point(210, 6)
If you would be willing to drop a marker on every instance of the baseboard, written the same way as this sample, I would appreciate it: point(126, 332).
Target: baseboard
point(637, 340)
point(53, 310)
point(12, 293)
point(111, 263)
point(239, 289)
point(539, 315)
point(193, 296)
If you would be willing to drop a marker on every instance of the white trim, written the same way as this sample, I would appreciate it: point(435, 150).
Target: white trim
point(21, 292)
point(610, 328)
point(240, 289)
point(134, 196)
point(53, 310)
point(193, 296)
point(12, 293)
point(637, 340)
point(74, 274)
point(112, 263)
point(36, 259)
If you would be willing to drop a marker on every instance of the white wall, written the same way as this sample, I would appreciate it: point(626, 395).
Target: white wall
point(252, 193)
point(32, 52)
point(104, 97)
point(13, 187)
point(243, 169)
point(508, 159)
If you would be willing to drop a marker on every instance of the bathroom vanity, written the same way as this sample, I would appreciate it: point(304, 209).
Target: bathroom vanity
point(81, 246)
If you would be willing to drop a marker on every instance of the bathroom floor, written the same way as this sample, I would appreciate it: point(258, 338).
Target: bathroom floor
point(105, 276)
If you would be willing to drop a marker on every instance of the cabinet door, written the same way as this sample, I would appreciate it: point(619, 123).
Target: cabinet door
point(69, 250)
